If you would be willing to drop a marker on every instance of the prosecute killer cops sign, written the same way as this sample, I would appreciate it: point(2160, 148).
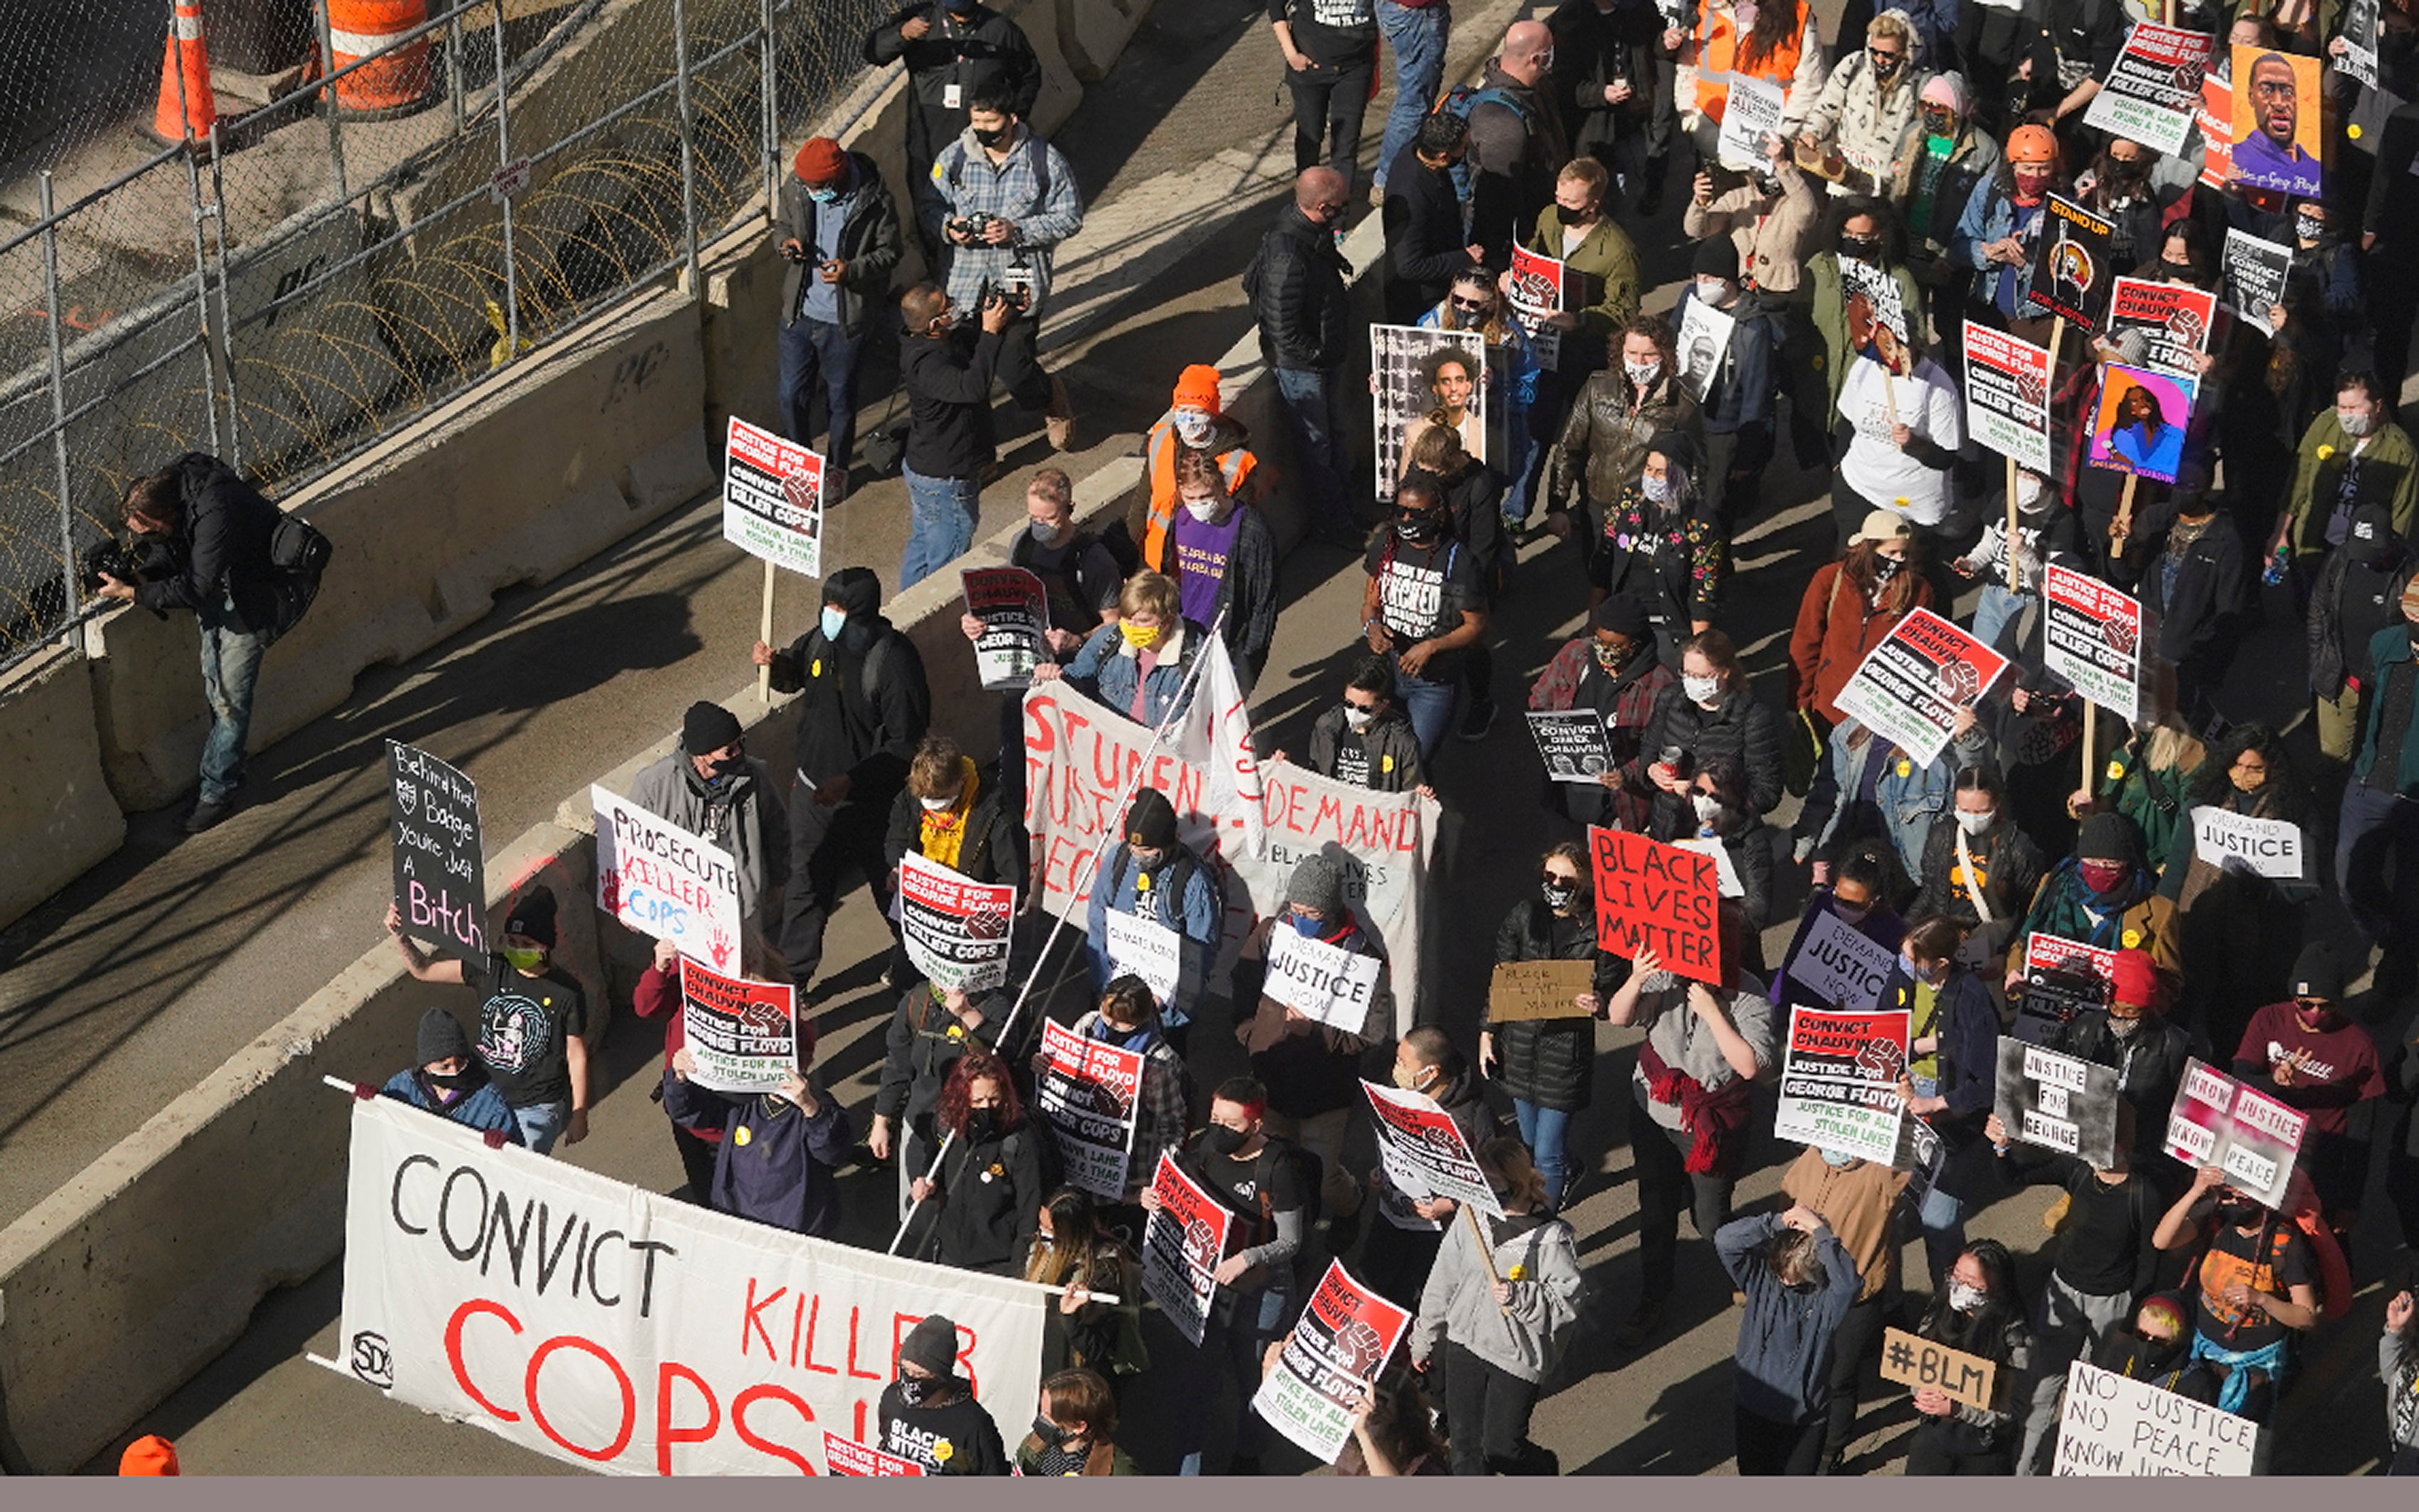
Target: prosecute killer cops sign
point(2244, 1133)
point(1088, 1093)
point(1659, 898)
point(627, 1332)
point(440, 873)
point(743, 1034)
point(1838, 1082)
point(1344, 1339)
point(657, 878)
point(1910, 688)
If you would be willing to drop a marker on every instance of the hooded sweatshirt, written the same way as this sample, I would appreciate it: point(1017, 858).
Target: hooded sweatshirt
point(773, 1165)
point(1784, 1342)
point(1538, 1257)
point(743, 814)
point(866, 724)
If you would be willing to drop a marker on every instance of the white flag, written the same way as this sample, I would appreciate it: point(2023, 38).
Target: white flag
point(1233, 770)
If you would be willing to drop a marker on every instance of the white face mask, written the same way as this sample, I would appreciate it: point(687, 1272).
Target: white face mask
point(1657, 489)
point(1966, 1299)
point(1193, 427)
point(1837, 1158)
point(1973, 824)
point(1359, 718)
point(1708, 807)
point(1642, 374)
point(2356, 424)
point(2028, 492)
point(1714, 291)
point(937, 805)
point(1205, 509)
point(1702, 689)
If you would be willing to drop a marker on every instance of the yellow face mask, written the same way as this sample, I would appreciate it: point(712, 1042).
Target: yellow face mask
point(1142, 638)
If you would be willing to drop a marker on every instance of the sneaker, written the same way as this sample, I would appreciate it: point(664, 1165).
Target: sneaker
point(1641, 1326)
point(209, 814)
point(1058, 421)
point(1480, 719)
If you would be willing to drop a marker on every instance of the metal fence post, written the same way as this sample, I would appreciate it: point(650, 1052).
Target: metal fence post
point(328, 97)
point(454, 70)
point(58, 400)
point(687, 135)
point(503, 160)
point(202, 293)
point(770, 70)
point(226, 328)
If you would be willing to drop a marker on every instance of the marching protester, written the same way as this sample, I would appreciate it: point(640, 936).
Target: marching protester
point(1302, 308)
point(658, 994)
point(2358, 592)
point(1401, 1250)
point(775, 1160)
point(1663, 546)
point(1854, 1200)
point(1150, 874)
point(1851, 607)
point(929, 1032)
point(1737, 400)
point(929, 1417)
point(1714, 814)
point(1854, 897)
point(1079, 584)
point(1128, 1017)
point(1197, 420)
point(1482, 521)
point(447, 1080)
point(840, 239)
point(2103, 896)
point(1870, 795)
point(1072, 1250)
point(1515, 383)
point(1141, 664)
point(1714, 716)
point(1615, 674)
point(1799, 1283)
point(1616, 417)
point(1426, 245)
point(2134, 1036)
point(1860, 122)
point(1423, 607)
point(1952, 1057)
point(2377, 832)
point(951, 813)
point(1978, 869)
point(1547, 1066)
point(1417, 31)
point(985, 1196)
point(1331, 56)
point(1076, 1431)
point(1223, 558)
point(2236, 932)
point(1517, 141)
point(2256, 1286)
point(1599, 269)
point(2309, 1057)
point(1366, 741)
point(711, 787)
point(1977, 1311)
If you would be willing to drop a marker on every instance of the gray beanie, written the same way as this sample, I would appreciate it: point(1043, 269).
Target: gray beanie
point(1318, 883)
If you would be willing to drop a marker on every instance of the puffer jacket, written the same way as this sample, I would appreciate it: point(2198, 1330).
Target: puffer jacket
point(1551, 1062)
point(1872, 127)
point(1743, 726)
point(1297, 287)
point(1606, 436)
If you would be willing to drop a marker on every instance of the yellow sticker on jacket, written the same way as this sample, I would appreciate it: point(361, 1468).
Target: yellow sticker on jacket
point(1906, 768)
point(2132, 939)
point(817, 669)
point(1385, 764)
point(2325, 451)
point(941, 1450)
point(2116, 769)
point(740, 1137)
point(1142, 882)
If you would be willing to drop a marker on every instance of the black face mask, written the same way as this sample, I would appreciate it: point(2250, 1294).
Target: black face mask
point(1419, 530)
point(1049, 1432)
point(990, 139)
point(455, 1083)
point(1557, 896)
point(982, 1126)
point(2235, 1212)
point(913, 1389)
point(1884, 568)
point(2306, 228)
point(1221, 1140)
point(732, 765)
point(1566, 217)
point(1863, 248)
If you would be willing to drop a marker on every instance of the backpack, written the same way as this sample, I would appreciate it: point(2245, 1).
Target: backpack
point(1309, 1171)
point(1179, 874)
point(1041, 155)
point(1458, 103)
point(298, 559)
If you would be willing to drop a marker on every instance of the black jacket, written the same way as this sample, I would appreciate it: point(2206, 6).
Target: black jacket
point(1425, 245)
point(840, 728)
point(949, 402)
point(868, 243)
point(918, 1051)
point(2150, 1066)
point(1743, 727)
point(1551, 1062)
point(990, 1195)
point(1591, 49)
point(220, 550)
point(992, 852)
point(2210, 584)
point(2010, 863)
point(986, 50)
point(2326, 597)
point(1516, 148)
point(1299, 296)
point(1394, 751)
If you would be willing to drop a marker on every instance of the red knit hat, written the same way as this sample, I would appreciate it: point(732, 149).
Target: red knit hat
point(2134, 978)
point(1196, 388)
point(821, 160)
point(149, 1455)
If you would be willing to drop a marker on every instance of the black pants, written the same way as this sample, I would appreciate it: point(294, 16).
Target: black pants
point(854, 838)
point(929, 129)
point(1722, 501)
point(697, 1156)
point(1943, 1446)
point(1809, 387)
point(1489, 1410)
point(1396, 1262)
point(1328, 104)
point(1020, 369)
point(1769, 1448)
point(1853, 1346)
point(1665, 1187)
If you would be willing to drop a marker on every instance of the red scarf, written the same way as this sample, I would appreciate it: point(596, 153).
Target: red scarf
point(1712, 1120)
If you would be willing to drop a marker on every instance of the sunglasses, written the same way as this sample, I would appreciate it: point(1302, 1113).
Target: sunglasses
point(1469, 307)
point(1555, 879)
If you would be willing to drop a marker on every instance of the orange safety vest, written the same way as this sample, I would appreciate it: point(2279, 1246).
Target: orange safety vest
point(1717, 42)
point(1159, 454)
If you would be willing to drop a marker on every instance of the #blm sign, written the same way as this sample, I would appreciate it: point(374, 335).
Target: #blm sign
point(1909, 689)
point(1573, 743)
point(2270, 847)
point(2092, 636)
point(1089, 1093)
point(657, 878)
point(1839, 965)
point(440, 873)
point(2247, 1134)
point(1424, 1152)
point(773, 499)
point(1839, 1081)
point(1323, 981)
point(2154, 92)
point(2075, 267)
point(2114, 1426)
point(1181, 1245)
point(2006, 395)
point(1967, 1379)
point(956, 930)
point(743, 1034)
point(2057, 1101)
point(1660, 897)
point(1538, 990)
point(1015, 610)
point(1345, 1337)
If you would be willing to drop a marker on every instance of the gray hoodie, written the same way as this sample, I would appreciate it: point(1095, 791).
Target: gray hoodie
point(1526, 1339)
point(745, 818)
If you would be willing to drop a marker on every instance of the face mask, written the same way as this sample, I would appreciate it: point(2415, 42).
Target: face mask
point(455, 1083)
point(1204, 509)
point(1861, 249)
point(1714, 291)
point(1140, 637)
point(1221, 1140)
point(523, 959)
point(2308, 227)
point(1657, 491)
point(2356, 424)
point(913, 1389)
point(982, 1125)
point(1612, 659)
point(1193, 427)
point(823, 196)
point(2178, 273)
point(1042, 530)
point(990, 139)
point(2125, 175)
point(1966, 1298)
point(1702, 689)
point(1049, 1432)
point(1939, 123)
point(937, 805)
point(2028, 494)
point(2124, 1028)
point(1708, 807)
point(2030, 185)
point(1305, 926)
point(835, 619)
point(1642, 374)
point(2237, 1212)
point(1885, 567)
point(1419, 530)
point(1851, 912)
point(1973, 824)
point(1884, 69)
point(1409, 1081)
point(1558, 895)
point(1357, 718)
point(1837, 1160)
point(1570, 219)
point(2103, 876)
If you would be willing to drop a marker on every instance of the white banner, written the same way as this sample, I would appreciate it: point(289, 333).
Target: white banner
point(657, 878)
point(1321, 980)
point(1842, 967)
point(620, 1331)
point(2270, 847)
point(2112, 1425)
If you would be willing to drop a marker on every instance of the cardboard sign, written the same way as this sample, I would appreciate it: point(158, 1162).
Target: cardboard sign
point(1751, 114)
point(1423, 1150)
point(1705, 344)
point(2270, 847)
point(1345, 1337)
point(1574, 744)
point(1524, 990)
point(441, 872)
point(1089, 1093)
point(2057, 1101)
point(1418, 371)
point(1967, 1379)
point(2247, 1134)
point(2255, 271)
point(1660, 897)
point(2171, 322)
point(773, 499)
point(2140, 420)
point(2278, 132)
point(1147, 950)
point(2092, 636)
point(846, 1457)
point(657, 878)
point(1015, 610)
point(1537, 284)
point(1335, 986)
point(1873, 297)
point(743, 1034)
point(1838, 1082)
point(1181, 1245)
point(1909, 689)
point(1842, 967)
point(2152, 92)
point(2006, 395)
point(958, 931)
point(2110, 1425)
point(2073, 266)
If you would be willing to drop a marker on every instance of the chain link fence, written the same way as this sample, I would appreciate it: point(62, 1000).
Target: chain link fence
point(312, 279)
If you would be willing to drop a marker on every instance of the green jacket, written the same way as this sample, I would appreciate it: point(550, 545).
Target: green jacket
point(1830, 310)
point(2391, 646)
point(2126, 786)
point(1104, 1459)
point(2389, 475)
point(1604, 296)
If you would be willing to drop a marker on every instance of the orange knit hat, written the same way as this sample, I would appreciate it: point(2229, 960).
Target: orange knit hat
point(149, 1455)
point(1196, 388)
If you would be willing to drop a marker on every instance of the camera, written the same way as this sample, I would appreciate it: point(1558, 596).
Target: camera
point(972, 227)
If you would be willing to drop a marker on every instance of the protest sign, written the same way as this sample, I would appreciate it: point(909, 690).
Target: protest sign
point(1538, 990)
point(2140, 421)
point(743, 1034)
point(1573, 743)
point(958, 932)
point(1014, 609)
point(1148, 949)
point(2255, 271)
point(1839, 1081)
point(2051, 952)
point(1967, 1379)
point(1537, 284)
point(2215, 121)
point(2062, 978)
point(1726, 877)
point(2247, 1134)
point(2006, 395)
point(1872, 297)
point(1751, 114)
point(1841, 966)
point(846, 1457)
point(2360, 28)
point(1089, 1093)
point(1909, 689)
point(2092, 636)
point(1237, 793)
point(1923, 1156)
point(2152, 92)
point(1181, 1245)
point(2277, 127)
point(1704, 344)
point(2112, 1425)
point(2057, 1101)
point(1418, 371)
point(2168, 322)
point(2270, 847)
point(1327, 982)
point(657, 878)
point(615, 1329)
point(773, 499)
point(1345, 1337)
point(441, 872)
point(1659, 896)
point(2075, 264)
point(1423, 1150)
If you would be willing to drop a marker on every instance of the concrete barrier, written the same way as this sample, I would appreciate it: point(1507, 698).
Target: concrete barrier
point(61, 817)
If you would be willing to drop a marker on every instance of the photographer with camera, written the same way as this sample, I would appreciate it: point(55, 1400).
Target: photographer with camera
point(949, 424)
point(840, 236)
point(1005, 199)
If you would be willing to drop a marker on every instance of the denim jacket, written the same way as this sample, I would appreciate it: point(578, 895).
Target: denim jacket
point(1108, 668)
point(1910, 794)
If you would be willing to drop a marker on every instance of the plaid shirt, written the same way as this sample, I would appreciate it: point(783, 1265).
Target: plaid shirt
point(967, 185)
point(1166, 1099)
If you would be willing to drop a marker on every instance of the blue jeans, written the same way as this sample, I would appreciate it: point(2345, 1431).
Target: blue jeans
point(1998, 610)
point(1429, 706)
point(1238, 1334)
point(1314, 402)
point(1418, 38)
point(1542, 1130)
point(940, 514)
point(542, 1124)
point(230, 670)
point(812, 350)
point(1519, 469)
point(1942, 1217)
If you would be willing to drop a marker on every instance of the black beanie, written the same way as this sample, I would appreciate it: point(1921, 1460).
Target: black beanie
point(853, 589)
point(932, 1345)
point(533, 917)
point(441, 1037)
point(1675, 449)
point(1152, 822)
point(1623, 614)
point(2317, 974)
point(1716, 258)
point(708, 726)
point(2109, 837)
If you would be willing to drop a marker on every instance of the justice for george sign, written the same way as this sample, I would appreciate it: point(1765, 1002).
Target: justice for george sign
point(1344, 1339)
point(956, 930)
point(1839, 1086)
point(657, 878)
point(1088, 1093)
point(440, 873)
point(1661, 898)
point(2057, 1101)
point(1015, 610)
point(2247, 1134)
point(1910, 688)
point(2112, 1425)
point(743, 1034)
point(2006, 395)
point(773, 500)
point(1335, 986)
point(2092, 637)
point(1181, 1245)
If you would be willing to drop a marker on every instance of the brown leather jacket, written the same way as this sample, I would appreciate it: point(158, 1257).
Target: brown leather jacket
point(1608, 435)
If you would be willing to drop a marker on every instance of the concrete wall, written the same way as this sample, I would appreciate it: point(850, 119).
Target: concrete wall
point(59, 816)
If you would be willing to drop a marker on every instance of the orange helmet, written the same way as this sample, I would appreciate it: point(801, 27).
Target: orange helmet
point(2032, 144)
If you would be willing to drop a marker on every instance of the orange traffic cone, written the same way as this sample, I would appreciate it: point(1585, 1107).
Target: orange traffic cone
point(186, 108)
